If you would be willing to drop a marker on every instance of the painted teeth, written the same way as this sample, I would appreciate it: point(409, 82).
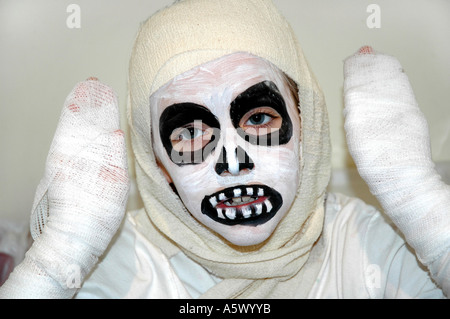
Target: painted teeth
point(230, 213)
point(268, 205)
point(220, 214)
point(259, 208)
point(246, 212)
point(233, 213)
point(237, 197)
point(213, 201)
point(260, 192)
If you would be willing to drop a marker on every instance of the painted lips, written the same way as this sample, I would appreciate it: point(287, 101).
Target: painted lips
point(242, 205)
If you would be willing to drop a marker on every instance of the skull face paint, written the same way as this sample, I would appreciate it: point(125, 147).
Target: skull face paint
point(227, 134)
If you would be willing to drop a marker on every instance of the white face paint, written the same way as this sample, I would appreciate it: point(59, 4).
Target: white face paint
point(236, 126)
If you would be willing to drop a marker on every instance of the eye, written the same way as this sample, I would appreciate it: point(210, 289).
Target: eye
point(259, 119)
point(190, 133)
point(191, 137)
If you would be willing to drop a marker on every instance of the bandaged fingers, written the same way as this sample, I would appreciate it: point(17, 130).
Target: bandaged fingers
point(96, 178)
point(86, 202)
point(80, 201)
point(86, 169)
point(388, 138)
point(384, 125)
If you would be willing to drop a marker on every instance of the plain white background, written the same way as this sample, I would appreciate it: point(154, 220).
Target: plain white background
point(41, 60)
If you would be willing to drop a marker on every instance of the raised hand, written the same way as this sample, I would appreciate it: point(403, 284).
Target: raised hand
point(80, 201)
point(388, 138)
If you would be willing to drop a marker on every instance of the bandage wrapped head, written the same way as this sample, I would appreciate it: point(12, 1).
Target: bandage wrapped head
point(214, 109)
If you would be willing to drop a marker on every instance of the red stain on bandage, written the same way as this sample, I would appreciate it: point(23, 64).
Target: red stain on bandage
point(114, 174)
point(366, 50)
point(119, 132)
point(74, 108)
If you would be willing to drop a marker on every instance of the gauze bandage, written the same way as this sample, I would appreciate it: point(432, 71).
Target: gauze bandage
point(389, 141)
point(80, 201)
point(176, 40)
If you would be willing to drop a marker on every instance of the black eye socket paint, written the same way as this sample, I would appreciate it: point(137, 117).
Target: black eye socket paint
point(262, 94)
point(179, 115)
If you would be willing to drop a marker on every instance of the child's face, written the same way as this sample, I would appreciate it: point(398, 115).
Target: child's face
point(227, 134)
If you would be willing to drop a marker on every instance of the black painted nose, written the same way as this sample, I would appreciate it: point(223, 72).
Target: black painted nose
point(243, 162)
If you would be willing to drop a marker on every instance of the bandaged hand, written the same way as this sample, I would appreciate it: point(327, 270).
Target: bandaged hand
point(80, 202)
point(388, 138)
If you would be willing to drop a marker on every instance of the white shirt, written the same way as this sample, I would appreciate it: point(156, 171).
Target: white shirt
point(360, 255)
